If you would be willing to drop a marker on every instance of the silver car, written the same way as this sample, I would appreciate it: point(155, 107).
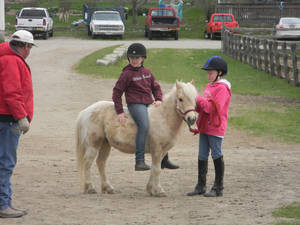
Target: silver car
point(288, 27)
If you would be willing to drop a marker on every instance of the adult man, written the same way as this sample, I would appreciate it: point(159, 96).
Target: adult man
point(16, 111)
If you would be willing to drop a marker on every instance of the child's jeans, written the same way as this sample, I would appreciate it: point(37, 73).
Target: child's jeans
point(207, 142)
point(9, 139)
point(139, 113)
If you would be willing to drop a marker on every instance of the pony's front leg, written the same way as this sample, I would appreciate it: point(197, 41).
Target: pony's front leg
point(153, 186)
point(103, 154)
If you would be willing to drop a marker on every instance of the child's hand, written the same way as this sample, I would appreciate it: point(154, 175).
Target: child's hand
point(122, 117)
point(156, 103)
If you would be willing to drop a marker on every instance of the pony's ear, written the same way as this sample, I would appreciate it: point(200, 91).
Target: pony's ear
point(192, 82)
point(178, 86)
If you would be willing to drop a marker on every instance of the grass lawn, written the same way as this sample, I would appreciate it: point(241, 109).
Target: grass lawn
point(291, 211)
point(274, 120)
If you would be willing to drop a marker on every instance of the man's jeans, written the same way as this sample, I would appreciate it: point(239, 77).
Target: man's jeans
point(9, 139)
point(207, 142)
point(139, 113)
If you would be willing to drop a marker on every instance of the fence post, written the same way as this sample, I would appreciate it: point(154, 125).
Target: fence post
point(271, 55)
point(266, 56)
point(240, 48)
point(254, 51)
point(258, 54)
point(285, 63)
point(222, 38)
point(277, 61)
point(294, 61)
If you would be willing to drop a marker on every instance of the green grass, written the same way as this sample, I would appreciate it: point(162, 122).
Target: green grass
point(276, 121)
point(291, 211)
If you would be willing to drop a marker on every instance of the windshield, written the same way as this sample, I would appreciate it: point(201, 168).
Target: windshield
point(222, 18)
point(33, 13)
point(162, 12)
point(291, 20)
point(107, 16)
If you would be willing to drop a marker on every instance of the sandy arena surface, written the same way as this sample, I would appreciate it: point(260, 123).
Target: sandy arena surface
point(260, 175)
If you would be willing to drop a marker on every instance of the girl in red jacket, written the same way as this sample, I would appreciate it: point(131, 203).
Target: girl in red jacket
point(139, 85)
point(211, 123)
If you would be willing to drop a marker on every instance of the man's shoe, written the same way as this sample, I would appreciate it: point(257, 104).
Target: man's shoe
point(141, 166)
point(10, 213)
point(21, 210)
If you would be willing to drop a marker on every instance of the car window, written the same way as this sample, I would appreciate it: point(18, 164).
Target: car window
point(222, 18)
point(107, 16)
point(162, 12)
point(33, 13)
point(290, 20)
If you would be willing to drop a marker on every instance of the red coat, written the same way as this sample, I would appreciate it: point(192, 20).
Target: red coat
point(16, 93)
point(139, 84)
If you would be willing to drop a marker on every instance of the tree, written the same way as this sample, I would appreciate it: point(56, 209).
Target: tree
point(136, 4)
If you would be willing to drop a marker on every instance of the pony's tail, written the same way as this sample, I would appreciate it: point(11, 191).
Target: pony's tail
point(80, 149)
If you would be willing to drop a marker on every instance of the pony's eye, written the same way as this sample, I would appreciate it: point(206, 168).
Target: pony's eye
point(180, 99)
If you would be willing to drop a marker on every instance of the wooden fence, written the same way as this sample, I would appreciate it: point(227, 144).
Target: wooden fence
point(259, 14)
point(279, 58)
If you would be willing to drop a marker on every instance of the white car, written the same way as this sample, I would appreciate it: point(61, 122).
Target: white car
point(35, 20)
point(107, 23)
point(288, 27)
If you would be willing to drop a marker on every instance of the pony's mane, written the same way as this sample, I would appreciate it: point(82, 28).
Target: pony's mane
point(188, 88)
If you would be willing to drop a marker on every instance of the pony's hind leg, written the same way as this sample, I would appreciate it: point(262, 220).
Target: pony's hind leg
point(89, 158)
point(103, 154)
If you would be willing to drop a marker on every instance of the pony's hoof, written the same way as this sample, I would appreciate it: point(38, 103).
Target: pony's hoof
point(109, 191)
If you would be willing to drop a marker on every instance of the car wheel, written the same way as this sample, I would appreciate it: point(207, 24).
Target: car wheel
point(205, 35)
point(46, 35)
point(88, 31)
point(150, 35)
point(51, 33)
point(212, 36)
point(146, 32)
point(176, 35)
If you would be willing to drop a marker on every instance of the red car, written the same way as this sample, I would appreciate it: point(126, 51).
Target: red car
point(214, 25)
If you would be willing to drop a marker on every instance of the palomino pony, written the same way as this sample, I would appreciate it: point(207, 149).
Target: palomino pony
point(97, 130)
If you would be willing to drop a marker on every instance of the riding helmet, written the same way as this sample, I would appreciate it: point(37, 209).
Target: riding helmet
point(216, 63)
point(136, 50)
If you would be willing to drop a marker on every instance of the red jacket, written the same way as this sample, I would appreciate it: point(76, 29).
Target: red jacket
point(213, 108)
point(16, 94)
point(139, 84)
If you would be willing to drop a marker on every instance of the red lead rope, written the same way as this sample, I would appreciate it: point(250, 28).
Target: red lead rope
point(215, 111)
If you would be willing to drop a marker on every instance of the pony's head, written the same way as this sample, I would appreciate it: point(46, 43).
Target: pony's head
point(186, 94)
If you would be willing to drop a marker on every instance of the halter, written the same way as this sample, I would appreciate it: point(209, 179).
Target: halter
point(182, 114)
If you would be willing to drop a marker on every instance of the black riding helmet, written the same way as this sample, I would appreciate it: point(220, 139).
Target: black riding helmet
point(216, 63)
point(136, 50)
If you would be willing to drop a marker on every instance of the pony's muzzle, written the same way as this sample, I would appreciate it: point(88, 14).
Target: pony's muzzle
point(191, 120)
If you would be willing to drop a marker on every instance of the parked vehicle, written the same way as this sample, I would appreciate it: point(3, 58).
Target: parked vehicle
point(162, 21)
point(214, 25)
point(104, 20)
point(36, 20)
point(107, 23)
point(288, 28)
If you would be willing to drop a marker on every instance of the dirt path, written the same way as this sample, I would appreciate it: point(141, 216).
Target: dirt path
point(260, 175)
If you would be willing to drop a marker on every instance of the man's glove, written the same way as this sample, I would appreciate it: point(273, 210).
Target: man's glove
point(24, 124)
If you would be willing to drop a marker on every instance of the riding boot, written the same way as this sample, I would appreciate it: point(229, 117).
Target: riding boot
point(140, 165)
point(217, 189)
point(201, 185)
point(166, 163)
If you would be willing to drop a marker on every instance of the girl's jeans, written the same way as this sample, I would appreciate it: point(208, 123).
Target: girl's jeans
point(9, 139)
point(139, 113)
point(207, 142)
